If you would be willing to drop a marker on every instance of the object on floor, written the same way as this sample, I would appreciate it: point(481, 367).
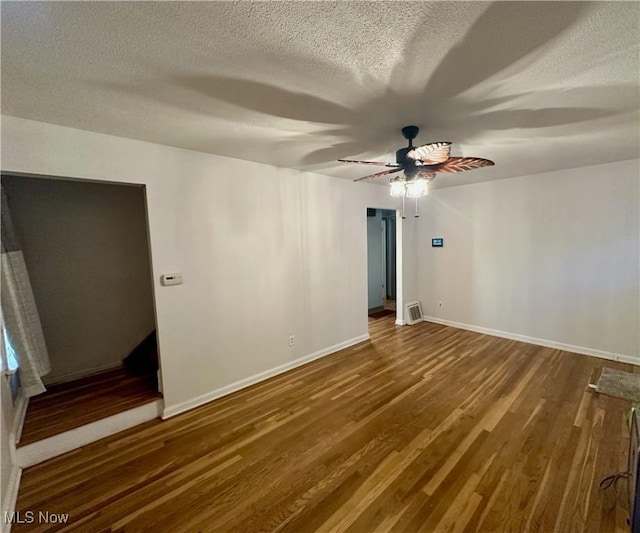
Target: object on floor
point(619, 384)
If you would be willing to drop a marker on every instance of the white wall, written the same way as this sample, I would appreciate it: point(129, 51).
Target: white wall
point(410, 245)
point(374, 259)
point(85, 246)
point(265, 252)
point(553, 256)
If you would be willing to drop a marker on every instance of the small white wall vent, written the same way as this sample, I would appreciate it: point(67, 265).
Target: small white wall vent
point(414, 313)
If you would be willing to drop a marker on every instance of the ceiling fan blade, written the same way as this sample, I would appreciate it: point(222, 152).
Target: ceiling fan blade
point(432, 153)
point(378, 174)
point(378, 163)
point(460, 164)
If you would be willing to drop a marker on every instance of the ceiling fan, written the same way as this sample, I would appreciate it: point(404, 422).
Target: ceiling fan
point(420, 165)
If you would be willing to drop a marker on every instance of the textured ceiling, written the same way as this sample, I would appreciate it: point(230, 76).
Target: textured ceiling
point(534, 86)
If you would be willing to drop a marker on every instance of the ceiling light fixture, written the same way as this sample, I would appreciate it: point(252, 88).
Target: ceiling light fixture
point(397, 187)
point(417, 187)
point(409, 188)
point(414, 188)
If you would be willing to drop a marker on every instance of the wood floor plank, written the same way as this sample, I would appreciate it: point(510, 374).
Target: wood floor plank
point(423, 428)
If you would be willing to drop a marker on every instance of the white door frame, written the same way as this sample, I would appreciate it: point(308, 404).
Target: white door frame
point(384, 227)
point(399, 273)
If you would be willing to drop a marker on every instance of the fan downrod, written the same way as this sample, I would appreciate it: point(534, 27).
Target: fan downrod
point(410, 132)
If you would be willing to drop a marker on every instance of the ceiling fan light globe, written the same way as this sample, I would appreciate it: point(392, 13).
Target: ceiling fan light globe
point(397, 188)
point(417, 188)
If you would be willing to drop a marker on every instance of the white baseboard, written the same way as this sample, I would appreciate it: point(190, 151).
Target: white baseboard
point(40, 451)
point(626, 359)
point(79, 374)
point(18, 418)
point(400, 322)
point(540, 342)
point(252, 380)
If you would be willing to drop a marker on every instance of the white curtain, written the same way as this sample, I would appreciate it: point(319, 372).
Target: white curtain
point(21, 323)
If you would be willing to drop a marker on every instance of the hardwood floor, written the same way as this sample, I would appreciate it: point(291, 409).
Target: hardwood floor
point(425, 428)
point(73, 404)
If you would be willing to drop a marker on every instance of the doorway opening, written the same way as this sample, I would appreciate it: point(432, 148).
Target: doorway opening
point(382, 264)
point(87, 253)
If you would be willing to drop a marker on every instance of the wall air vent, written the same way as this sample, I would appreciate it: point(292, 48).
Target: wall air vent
point(414, 313)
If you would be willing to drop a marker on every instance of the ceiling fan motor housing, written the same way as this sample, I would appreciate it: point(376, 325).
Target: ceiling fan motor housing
point(401, 155)
point(410, 132)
